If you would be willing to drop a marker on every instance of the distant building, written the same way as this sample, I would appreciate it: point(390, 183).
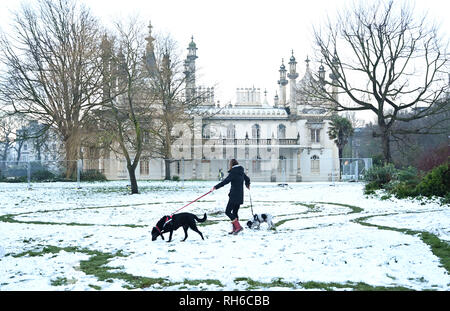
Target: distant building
point(34, 143)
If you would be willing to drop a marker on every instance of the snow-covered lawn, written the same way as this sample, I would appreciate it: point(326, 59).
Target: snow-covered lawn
point(57, 237)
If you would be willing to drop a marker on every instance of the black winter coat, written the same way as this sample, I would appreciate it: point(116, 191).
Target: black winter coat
point(237, 177)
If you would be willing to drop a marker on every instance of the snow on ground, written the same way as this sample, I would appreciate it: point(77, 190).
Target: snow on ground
point(319, 237)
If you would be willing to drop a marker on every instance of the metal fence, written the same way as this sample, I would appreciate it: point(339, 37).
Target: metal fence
point(269, 170)
point(39, 171)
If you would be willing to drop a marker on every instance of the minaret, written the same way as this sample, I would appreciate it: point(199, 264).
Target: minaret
point(107, 70)
point(266, 103)
point(293, 75)
point(334, 75)
point(321, 74)
point(150, 58)
point(282, 82)
point(189, 69)
point(308, 71)
point(275, 100)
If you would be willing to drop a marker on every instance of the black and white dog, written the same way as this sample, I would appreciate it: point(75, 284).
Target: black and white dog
point(258, 219)
point(172, 223)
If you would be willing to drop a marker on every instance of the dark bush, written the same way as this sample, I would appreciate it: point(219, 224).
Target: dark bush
point(92, 175)
point(43, 175)
point(371, 187)
point(409, 176)
point(436, 182)
point(381, 175)
point(403, 190)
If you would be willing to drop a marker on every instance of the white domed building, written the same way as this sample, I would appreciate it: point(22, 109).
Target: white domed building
point(285, 140)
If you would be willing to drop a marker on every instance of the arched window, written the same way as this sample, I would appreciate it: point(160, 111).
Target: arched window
point(281, 131)
point(315, 164)
point(206, 131)
point(231, 131)
point(256, 131)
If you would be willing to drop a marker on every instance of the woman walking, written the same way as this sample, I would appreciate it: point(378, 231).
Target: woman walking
point(237, 177)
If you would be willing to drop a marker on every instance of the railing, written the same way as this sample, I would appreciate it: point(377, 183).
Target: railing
point(251, 141)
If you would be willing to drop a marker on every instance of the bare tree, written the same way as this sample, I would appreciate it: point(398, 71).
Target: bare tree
point(127, 111)
point(7, 131)
point(386, 61)
point(52, 68)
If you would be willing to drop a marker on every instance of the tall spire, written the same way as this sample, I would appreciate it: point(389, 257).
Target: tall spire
point(293, 75)
point(149, 38)
point(292, 67)
point(192, 49)
point(307, 63)
point(282, 82)
point(321, 73)
point(189, 69)
point(334, 75)
point(150, 50)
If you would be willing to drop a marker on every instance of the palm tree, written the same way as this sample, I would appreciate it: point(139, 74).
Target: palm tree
point(340, 130)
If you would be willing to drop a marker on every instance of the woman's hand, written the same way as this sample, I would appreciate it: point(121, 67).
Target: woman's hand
point(213, 188)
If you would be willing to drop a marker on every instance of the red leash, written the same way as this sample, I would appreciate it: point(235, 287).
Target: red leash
point(191, 202)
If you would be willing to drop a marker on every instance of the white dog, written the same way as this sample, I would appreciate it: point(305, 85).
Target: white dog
point(258, 219)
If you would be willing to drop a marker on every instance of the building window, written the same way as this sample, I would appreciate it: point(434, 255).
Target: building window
point(231, 131)
point(281, 131)
point(144, 167)
point(206, 131)
point(315, 165)
point(146, 138)
point(256, 131)
point(315, 135)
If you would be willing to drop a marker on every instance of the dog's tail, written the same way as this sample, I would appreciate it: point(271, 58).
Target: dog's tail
point(200, 220)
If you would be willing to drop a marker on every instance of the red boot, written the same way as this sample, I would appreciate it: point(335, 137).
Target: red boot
point(234, 226)
point(238, 227)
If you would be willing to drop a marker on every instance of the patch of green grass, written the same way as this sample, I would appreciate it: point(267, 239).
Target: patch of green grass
point(355, 209)
point(252, 284)
point(279, 223)
point(310, 206)
point(95, 287)
point(440, 248)
point(46, 250)
point(59, 281)
point(278, 282)
point(207, 281)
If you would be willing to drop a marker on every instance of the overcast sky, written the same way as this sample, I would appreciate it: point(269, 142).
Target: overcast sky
point(240, 43)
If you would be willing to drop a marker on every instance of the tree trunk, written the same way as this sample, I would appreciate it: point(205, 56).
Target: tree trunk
point(133, 181)
point(386, 146)
point(340, 161)
point(167, 170)
point(72, 147)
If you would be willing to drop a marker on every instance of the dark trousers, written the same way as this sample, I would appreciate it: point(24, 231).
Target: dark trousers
point(232, 210)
